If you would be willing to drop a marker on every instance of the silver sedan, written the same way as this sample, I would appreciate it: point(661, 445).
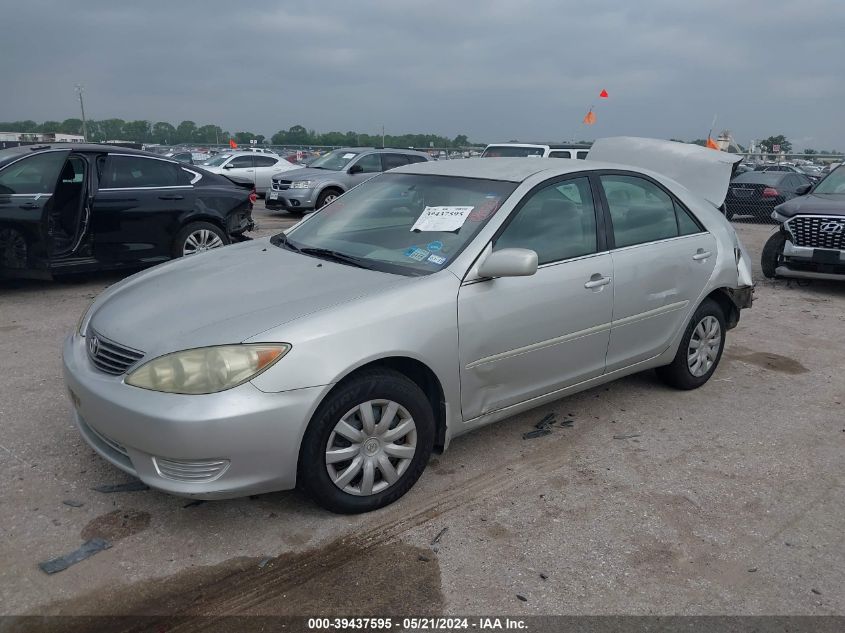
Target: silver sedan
point(422, 304)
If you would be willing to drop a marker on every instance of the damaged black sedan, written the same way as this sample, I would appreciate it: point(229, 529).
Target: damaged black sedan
point(67, 208)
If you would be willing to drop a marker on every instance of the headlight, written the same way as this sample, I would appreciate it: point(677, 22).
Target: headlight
point(206, 369)
point(301, 184)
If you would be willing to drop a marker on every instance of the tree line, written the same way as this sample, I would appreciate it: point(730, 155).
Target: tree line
point(188, 132)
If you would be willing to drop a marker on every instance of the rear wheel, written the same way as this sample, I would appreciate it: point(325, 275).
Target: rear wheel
point(198, 237)
point(772, 254)
point(367, 444)
point(700, 350)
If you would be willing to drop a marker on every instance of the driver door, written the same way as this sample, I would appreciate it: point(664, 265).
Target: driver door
point(363, 169)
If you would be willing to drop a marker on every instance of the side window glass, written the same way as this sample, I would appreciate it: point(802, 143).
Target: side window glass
point(413, 158)
point(370, 164)
point(558, 222)
point(582, 154)
point(686, 224)
point(389, 161)
point(123, 172)
point(560, 154)
point(264, 161)
point(640, 210)
point(33, 174)
point(242, 161)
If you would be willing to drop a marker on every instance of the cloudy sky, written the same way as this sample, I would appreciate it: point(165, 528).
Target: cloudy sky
point(494, 70)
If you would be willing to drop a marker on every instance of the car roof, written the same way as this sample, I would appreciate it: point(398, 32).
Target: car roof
point(359, 150)
point(549, 145)
point(505, 169)
point(13, 153)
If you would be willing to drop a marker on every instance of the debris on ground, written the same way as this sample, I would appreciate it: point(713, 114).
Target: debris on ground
point(194, 503)
point(73, 503)
point(88, 549)
point(129, 486)
point(627, 436)
point(751, 570)
point(816, 591)
point(545, 426)
point(544, 577)
point(422, 558)
point(523, 598)
point(439, 536)
point(263, 563)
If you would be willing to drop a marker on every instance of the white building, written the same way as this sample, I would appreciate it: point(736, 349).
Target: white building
point(38, 137)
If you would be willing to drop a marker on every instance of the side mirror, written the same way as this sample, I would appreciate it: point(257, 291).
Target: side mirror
point(229, 166)
point(803, 190)
point(509, 262)
point(356, 169)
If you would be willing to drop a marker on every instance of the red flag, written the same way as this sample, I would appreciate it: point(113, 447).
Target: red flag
point(603, 94)
point(711, 143)
point(590, 118)
point(232, 143)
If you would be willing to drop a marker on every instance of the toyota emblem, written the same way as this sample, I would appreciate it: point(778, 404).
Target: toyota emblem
point(832, 228)
point(93, 345)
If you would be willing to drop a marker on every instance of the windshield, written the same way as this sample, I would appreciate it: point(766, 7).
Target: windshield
point(336, 160)
point(834, 183)
point(402, 223)
point(216, 161)
point(511, 151)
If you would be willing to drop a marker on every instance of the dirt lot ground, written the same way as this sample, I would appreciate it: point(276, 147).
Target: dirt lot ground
point(724, 500)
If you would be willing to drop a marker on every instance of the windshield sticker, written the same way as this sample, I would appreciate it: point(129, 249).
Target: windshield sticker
point(484, 210)
point(436, 259)
point(416, 253)
point(442, 219)
point(348, 156)
point(434, 246)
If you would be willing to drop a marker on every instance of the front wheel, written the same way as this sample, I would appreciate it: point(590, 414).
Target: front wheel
point(367, 444)
point(700, 349)
point(772, 254)
point(198, 237)
point(328, 196)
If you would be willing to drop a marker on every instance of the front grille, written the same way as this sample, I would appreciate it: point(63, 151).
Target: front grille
point(110, 357)
point(190, 471)
point(281, 185)
point(818, 231)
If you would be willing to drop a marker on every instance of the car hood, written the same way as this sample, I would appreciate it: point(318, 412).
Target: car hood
point(705, 172)
point(310, 173)
point(226, 296)
point(822, 204)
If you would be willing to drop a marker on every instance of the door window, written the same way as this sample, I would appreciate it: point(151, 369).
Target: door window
point(33, 174)
point(413, 158)
point(640, 210)
point(558, 222)
point(560, 154)
point(265, 161)
point(370, 164)
point(242, 161)
point(582, 154)
point(131, 172)
point(393, 160)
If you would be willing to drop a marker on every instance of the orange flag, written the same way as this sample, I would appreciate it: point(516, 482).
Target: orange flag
point(603, 94)
point(590, 118)
point(711, 143)
point(232, 143)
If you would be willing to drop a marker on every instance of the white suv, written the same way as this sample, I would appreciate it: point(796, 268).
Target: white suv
point(536, 150)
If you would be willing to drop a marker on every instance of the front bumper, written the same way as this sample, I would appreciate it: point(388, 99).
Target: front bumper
point(170, 441)
point(290, 199)
point(804, 262)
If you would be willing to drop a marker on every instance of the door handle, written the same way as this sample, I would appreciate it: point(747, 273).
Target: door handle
point(701, 255)
point(597, 281)
point(171, 197)
point(29, 205)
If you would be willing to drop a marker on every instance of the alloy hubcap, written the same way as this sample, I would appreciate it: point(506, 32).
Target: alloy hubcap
point(704, 346)
point(329, 198)
point(371, 447)
point(201, 241)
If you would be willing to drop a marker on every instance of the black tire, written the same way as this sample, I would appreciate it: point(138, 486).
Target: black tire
point(322, 198)
point(179, 241)
point(313, 476)
point(677, 374)
point(772, 253)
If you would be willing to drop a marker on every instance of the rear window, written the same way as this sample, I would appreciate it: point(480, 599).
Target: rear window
point(511, 151)
point(759, 177)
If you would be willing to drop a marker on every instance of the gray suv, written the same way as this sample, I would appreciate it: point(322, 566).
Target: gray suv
point(332, 174)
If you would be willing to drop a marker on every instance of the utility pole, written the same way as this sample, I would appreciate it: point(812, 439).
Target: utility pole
point(80, 89)
point(382, 136)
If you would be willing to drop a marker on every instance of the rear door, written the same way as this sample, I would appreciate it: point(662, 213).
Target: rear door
point(139, 207)
point(370, 165)
point(662, 260)
point(26, 189)
point(241, 168)
point(389, 161)
point(265, 167)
